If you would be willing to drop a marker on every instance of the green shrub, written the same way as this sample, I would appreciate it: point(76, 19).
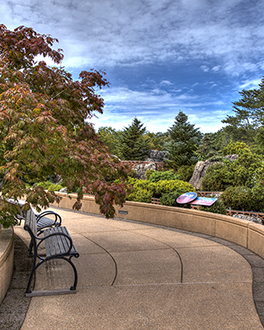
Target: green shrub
point(163, 175)
point(172, 185)
point(55, 187)
point(140, 195)
point(238, 198)
point(144, 184)
point(144, 190)
point(148, 173)
point(217, 178)
point(185, 172)
point(218, 207)
point(235, 148)
point(47, 185)
point(244, 171)
point(258, 196)
point(169, 198)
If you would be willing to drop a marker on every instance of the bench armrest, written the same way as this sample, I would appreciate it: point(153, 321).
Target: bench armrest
point(45, 213)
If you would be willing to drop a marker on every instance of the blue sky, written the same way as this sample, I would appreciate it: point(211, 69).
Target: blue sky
point(160, 56)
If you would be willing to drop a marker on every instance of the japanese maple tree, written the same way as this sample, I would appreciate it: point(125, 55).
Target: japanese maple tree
point(44, 128)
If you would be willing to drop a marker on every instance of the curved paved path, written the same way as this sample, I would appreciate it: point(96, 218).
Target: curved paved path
point(140, 276)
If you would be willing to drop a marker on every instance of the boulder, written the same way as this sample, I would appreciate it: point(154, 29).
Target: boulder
point(156, 156)
point(249, 218)
point(140, 170)
point(200, 170)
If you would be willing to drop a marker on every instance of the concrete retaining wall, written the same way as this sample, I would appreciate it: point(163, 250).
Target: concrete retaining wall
point(241, 232)
point(6, 260)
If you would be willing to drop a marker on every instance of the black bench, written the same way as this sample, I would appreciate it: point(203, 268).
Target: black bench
point(58, 245)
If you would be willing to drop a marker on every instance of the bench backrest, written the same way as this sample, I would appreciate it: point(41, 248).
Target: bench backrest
point(30, 221)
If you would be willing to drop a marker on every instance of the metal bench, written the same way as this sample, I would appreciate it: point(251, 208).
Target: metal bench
point(58, 245)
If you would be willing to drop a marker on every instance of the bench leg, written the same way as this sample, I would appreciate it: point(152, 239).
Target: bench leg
point(34, 268)
point(30, 248)
point(75, 274)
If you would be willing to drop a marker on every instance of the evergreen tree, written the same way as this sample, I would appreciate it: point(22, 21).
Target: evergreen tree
point(249, 115)
point(132, 145)
point(184, 141)
point(258, 146)
point(207, 148)
point(220, 140)
point(158, 140)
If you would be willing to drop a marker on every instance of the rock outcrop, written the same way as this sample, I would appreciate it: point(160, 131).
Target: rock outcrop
point(154, 161)
point(156, 156)
point(200, 170)
point(140, 169)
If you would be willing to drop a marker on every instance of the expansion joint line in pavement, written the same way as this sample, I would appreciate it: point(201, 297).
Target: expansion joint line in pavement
point(109, 255)
point(171, 247)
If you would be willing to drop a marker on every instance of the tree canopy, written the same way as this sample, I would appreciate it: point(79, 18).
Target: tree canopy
point(44, 128)
point(132, 145)
point(249, 115)
point(110, 137)
point(185, 139)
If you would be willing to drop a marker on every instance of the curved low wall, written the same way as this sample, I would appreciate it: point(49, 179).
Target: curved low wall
point(241, 232)
point(6, 260)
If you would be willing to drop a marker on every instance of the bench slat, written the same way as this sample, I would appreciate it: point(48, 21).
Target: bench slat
point(61, 245)
point(58, 244)
point(46, 222)
point(50, 243)
point(66, 242)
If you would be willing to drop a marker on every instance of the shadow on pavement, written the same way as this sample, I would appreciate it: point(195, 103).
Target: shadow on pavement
point(14, 307)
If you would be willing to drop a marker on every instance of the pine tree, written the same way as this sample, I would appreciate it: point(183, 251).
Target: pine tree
point(249, 115)
point(207, 148)
point(132, 145)
point(184, 141)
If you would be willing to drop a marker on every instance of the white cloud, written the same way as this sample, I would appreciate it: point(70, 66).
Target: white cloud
point(114, 32)
point(216, 68)
point(156, 109)
point(250, 84)
point(205, 68)
point(166, 83)
point(225, 37)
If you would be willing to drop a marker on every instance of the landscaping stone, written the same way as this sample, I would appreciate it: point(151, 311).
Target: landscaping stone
point(157, 156)
point(248, 218)
point(140, 170)
point(200, 170)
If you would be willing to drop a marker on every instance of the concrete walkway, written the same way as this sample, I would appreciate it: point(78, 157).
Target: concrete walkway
point(139, 276)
